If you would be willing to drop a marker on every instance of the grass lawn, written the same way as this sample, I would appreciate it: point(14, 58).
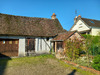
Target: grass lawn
point(38, 65)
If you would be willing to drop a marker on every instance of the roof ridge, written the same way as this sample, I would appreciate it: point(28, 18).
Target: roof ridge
point(24, 16)
point(91, 19)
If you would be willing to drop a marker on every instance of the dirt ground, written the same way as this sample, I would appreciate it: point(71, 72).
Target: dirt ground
point(46, 66)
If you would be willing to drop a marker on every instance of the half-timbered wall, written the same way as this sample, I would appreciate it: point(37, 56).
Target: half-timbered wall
point(37, 44)
point(42, 45)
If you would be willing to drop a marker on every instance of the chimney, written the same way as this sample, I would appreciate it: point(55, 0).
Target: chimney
point(79, 16)
point(53, 16)
point(75, 19)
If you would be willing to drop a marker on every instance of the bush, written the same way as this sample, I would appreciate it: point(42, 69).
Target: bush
point(73, 48)
point(96, 62)
point(92, 44)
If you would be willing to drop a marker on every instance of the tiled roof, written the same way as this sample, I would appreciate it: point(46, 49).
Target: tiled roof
point(63, 36)
point(91, 22)
point(29, 26)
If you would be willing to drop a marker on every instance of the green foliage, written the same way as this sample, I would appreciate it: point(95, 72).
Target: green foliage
point(73, 48)
point(96, 63)
point(26, 60)
point(92, 44)
point(86, 36)
point(83, 61)
point(83, 72)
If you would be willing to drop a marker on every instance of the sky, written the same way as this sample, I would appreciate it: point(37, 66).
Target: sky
point(64, 9)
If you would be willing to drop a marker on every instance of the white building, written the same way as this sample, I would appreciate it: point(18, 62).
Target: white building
point(20, 36)
point(86, 26)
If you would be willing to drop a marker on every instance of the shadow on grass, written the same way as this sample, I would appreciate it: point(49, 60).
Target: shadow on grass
point(72, 73)
point(3, 63)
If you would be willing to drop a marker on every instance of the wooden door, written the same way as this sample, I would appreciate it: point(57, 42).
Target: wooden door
point(9, 47)
point(30, 45)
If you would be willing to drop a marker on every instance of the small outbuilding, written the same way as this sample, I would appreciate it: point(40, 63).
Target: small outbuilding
point(59, 41)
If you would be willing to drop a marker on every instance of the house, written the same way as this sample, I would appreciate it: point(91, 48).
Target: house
point(20, 36)
point(59, 41)
point(86, 26)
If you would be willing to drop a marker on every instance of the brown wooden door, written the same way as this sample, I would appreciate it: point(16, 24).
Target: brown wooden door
point(9, 47)
point(30, 45)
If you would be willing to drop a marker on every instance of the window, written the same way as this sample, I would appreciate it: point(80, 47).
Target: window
point(16, 42)
point(80, 24)
point(3, 42)
point(10, 42)
point(91, 21)
point(88, 32)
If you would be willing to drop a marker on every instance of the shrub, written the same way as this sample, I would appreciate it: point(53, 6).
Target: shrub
point(96, 62)
point(92, 44)
point(73, 48)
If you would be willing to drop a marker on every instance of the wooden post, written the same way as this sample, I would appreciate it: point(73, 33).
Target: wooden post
point(55, 47)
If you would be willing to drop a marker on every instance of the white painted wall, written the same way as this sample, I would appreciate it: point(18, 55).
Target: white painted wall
point(80, 26)
point(21, 50)
point(44, 43)
point(95, 31)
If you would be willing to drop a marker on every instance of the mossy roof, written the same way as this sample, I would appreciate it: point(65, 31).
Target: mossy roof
point(29, 26)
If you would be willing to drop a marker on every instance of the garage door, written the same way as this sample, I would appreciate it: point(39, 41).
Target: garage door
point(8, 47)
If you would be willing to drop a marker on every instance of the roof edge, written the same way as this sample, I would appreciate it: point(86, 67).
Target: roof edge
point(23, 16)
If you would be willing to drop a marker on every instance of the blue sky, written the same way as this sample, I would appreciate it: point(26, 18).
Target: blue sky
point(64, 9)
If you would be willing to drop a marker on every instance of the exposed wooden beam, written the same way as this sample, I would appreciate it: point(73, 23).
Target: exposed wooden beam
point(55, 47)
